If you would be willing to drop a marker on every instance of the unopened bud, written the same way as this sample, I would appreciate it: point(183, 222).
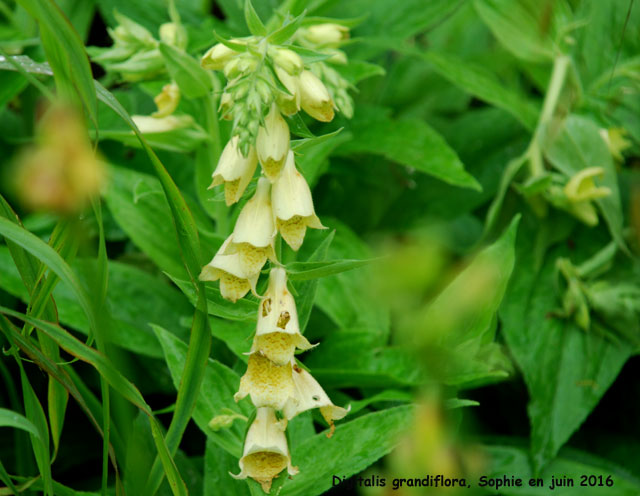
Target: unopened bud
point(314, 97)
point(328, 34)
point(217, 57)
point(288, 60)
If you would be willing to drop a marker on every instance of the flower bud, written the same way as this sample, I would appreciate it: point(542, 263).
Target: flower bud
point(309, 394)
point(328, 34)
point(173, 34)
point(288, 60)
point(217, 57)
point(234, 170)
point(150, 125)
point(239, 66)
point(314, 97)
point(167, 100)
point(289, 104)
point(616, 141)
point(293, 205)
point(227, 266)
point(265, 452)
point(226, 102)
point(337, 57)
point(272, 143)
point(255, 230)
point(278, 333)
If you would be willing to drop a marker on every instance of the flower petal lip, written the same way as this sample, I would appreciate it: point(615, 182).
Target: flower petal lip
point(309, 394)
point(314, 97)
point(581, 186)
point(293, 205)
point(227, 266)
point(268, 384)
point(266, 452)
point(272, 143)
point(234, 170)
point(278, 330)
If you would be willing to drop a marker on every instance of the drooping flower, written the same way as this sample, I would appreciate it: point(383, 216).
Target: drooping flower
point(266, 452)
point(227, 266)
point(278, 333)
point(293, 205)
point(272, 143)
point(254, 232)
point(217, 56)
point(167, 100)
point(314, 97)
point(289, 104)
point(268, 384)
point(309, 394)
point(234, 170)
point(581, 190)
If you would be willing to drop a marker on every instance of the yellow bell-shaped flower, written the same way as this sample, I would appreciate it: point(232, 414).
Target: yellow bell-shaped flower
point(234, 170)
point(265, 452)
point(278, 333)
point(293, 205)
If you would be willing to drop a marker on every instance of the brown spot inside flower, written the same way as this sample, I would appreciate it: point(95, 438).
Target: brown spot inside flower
point(283, 320)
point(266, 307)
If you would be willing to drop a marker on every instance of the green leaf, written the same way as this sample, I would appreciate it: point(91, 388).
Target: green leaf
point(10, 418)
point(39, 440)
point(385, 26)
point(483, 84)
point(566, 370)
point(244, 309)
point(410, 142)
point(253, 21)
point(483, 283)
point(307, 290)
point(217, 465)
point(287, 30)
point(304, 271)
point(347, 298)
point(65, 52)
point(192, 79)
point(519, 26)
point(354, 446)
point(218, 387)
point(362, 358)
point(117, 381)
point(138, 204)
point(301, 145)
point(570, 463)
point(358, 70)
point(128, 287)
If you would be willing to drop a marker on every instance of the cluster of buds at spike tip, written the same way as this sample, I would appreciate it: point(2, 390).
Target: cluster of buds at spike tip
point(266, 81)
